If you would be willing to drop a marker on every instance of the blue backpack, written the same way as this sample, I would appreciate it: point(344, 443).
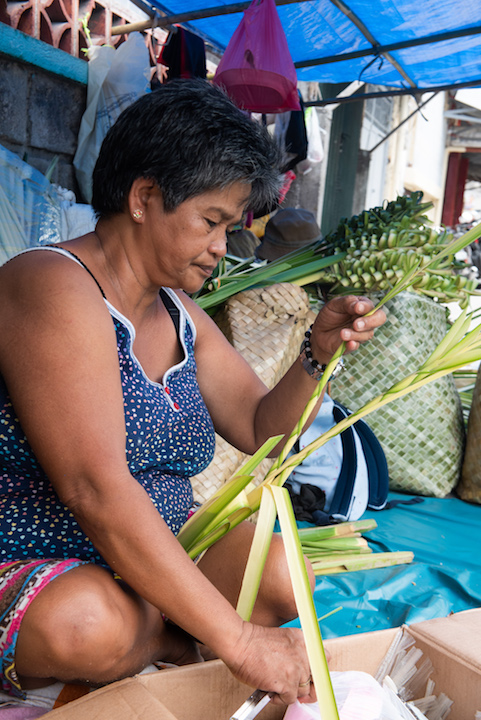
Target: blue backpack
point(344, 477)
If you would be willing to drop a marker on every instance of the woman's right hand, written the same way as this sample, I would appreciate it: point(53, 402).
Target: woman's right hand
point(274, 660)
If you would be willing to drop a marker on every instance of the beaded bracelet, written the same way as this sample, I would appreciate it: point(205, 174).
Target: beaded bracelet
point(312, 367)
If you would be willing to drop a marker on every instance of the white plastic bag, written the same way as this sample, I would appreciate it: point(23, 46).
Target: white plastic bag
point(116, 79)
point(358, 697)
point(315, 148)
point(29, 206)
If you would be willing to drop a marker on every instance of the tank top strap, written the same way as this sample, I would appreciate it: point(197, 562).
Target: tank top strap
point(170, 305)
point(83, 265)
point(172, 309)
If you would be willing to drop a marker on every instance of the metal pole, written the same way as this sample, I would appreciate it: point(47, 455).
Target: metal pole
point(392, 93)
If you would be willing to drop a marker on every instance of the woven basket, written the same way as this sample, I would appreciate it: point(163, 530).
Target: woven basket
point(469, 487)
point(422, 434)
point(266, 325)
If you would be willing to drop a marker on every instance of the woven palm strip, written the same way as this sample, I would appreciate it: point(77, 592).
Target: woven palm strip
point(422, 434)
point(266, 325)
point(469, 487)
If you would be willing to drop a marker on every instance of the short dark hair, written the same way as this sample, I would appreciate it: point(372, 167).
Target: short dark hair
point(189, 137)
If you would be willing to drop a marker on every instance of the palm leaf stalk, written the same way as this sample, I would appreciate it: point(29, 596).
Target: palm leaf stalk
point(341, 548)
point(301, 267)
point(465, 382)
point(213, 512)
point(257, 555)
point(350, 563)
point(456, 350)
point(275, 502)
point(326, 532)
point(305, 604)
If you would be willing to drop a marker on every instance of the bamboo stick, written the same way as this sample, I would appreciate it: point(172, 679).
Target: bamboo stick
point(165, 21)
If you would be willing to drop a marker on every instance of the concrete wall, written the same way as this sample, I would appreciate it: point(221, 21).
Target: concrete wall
point(40, 114)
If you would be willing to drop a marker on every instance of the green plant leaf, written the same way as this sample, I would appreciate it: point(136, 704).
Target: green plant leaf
point(197, 524)
point(257, 556)
point(305, 605)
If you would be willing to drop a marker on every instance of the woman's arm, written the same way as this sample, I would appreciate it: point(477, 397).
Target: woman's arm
point(244, 411)
point(58, 357)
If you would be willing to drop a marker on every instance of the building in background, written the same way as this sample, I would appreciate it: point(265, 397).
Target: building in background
point(374, 149)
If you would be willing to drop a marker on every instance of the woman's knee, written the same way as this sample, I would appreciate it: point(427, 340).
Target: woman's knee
point(88, 627)
point(78, 628)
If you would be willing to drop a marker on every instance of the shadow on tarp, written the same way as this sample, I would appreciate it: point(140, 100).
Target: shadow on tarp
point(444, 577)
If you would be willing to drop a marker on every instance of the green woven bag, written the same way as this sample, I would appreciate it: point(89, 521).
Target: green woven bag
point(422, 434)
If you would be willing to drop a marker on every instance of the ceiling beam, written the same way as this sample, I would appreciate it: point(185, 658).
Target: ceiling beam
point(392, 93)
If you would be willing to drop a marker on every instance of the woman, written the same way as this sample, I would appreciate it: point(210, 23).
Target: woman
point(111, 390)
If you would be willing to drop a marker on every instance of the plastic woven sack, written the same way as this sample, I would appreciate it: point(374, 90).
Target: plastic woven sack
point(256, 68)
point(422, 434)
point(469, 487)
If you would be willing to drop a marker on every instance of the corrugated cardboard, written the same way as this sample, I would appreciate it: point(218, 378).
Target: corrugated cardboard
point(208, 691)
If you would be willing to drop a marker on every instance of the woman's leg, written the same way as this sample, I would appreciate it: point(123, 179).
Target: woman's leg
point(86, 627)
point(224, 565)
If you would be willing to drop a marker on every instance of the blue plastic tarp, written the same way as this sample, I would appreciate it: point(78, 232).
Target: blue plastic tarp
point(444, 577)
point(319, 29)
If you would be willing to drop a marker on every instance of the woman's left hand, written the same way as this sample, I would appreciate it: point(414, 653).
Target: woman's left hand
point(343, 319)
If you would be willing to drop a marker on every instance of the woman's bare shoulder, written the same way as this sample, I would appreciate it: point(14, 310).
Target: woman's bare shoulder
point(41, 291)
point(34, 276)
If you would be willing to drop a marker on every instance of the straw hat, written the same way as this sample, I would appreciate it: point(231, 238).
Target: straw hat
point(288, 230)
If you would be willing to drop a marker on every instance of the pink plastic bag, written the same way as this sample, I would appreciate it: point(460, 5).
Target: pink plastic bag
point(256, 69)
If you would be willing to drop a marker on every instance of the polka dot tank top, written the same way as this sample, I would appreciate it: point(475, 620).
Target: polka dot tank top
point(169, 438)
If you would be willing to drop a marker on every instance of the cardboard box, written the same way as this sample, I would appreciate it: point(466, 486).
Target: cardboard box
point(208, 691)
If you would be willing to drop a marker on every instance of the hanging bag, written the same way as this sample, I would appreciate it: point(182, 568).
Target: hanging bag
point(256, 69)
point(116, 78)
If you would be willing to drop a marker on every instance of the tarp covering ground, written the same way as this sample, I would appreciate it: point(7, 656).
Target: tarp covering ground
point(328, 31)
point(444, 577)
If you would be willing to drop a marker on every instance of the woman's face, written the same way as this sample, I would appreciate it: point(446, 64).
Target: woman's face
point(189, 242)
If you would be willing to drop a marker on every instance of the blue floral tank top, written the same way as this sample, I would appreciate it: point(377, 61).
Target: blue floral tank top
point(169, 438)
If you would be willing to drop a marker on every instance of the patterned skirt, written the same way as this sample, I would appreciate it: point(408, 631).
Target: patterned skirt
point(20, 583)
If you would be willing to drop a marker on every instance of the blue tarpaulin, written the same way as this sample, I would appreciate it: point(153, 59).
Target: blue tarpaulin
point(323, 35)
point(444, 577)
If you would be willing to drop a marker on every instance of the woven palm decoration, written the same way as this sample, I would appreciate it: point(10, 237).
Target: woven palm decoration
point(266, 325)
point(422, 434)
point(469, 487)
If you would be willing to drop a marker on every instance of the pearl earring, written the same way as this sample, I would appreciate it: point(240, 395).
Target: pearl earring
point(138, 214)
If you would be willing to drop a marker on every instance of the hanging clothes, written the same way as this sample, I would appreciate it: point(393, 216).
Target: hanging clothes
point(184, 55)
point(290, 131)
